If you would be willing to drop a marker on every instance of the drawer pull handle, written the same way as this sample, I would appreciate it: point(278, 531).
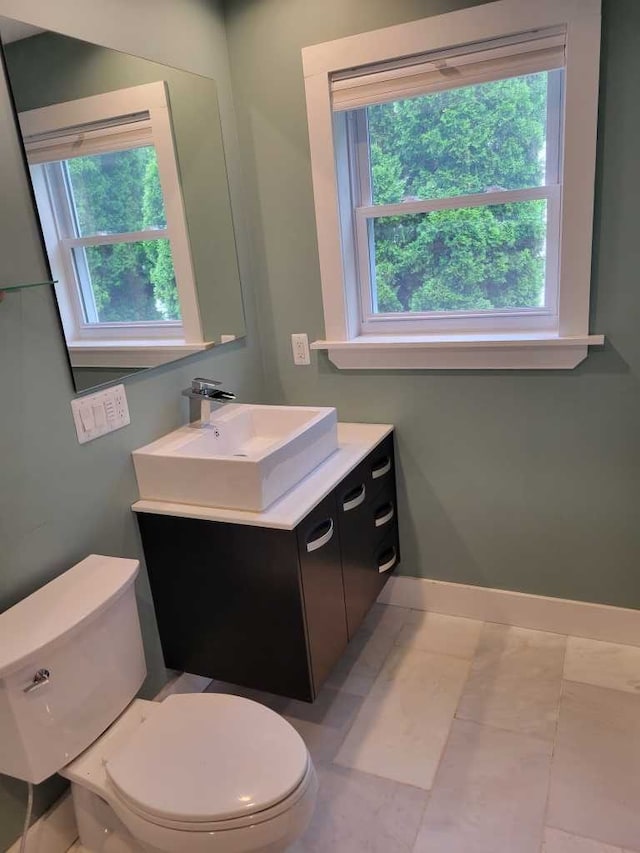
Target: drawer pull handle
point(382, 468)
point(314, 544)
point(354, 498)
point(388, 564)
point(388, 511)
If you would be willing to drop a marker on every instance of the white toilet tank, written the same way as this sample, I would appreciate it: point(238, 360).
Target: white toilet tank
point(71, 659)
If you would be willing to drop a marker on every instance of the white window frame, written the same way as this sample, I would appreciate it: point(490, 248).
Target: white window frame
point(113, 121)
point(561, 338)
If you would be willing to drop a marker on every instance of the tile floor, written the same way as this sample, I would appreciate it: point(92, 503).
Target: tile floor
point(436, 734)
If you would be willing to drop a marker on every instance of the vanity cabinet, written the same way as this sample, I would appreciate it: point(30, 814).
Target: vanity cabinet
point(272, 608)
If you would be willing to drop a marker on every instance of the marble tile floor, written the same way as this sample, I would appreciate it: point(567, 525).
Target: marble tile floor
point(436, 734)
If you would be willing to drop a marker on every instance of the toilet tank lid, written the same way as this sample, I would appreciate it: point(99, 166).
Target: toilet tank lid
point(61, 606)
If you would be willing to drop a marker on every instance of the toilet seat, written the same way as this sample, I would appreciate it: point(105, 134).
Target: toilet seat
point(269, 830)
point(206, 762)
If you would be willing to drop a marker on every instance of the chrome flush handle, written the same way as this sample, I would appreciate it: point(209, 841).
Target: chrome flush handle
point(39, 679)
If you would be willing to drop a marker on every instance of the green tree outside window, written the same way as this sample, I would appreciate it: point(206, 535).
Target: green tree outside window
point(470, 140)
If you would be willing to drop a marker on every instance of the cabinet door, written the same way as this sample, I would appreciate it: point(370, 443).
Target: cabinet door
point(367, 517)
point(323, 592)
point(228, 604)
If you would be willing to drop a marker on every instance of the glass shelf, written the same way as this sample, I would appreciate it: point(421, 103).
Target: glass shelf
point(10, 287)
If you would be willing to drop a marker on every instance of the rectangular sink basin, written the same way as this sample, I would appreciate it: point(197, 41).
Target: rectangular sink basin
point(245, 458)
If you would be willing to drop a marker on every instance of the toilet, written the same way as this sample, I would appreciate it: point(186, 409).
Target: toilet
point(195, 773)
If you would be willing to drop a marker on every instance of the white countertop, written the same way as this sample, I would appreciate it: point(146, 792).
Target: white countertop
point(355, 441)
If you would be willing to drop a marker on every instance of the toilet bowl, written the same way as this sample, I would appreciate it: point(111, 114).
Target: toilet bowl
point(195, 773)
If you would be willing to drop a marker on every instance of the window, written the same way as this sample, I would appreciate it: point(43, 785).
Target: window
point(462, 149)
point(106, 185)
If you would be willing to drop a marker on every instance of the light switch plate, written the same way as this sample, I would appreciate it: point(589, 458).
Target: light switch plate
point(97, 414)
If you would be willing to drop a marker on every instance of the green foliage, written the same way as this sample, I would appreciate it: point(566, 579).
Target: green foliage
point(462, 141)
point(158, 252)
point(116, 193)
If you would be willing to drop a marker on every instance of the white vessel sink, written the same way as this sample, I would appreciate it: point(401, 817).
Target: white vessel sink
point(245, 458)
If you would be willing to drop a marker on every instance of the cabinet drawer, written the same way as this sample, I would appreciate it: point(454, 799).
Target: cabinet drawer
point(365, 573)
point(381, 466)
point(386, 555)
point(373, 475)
point(383, 513)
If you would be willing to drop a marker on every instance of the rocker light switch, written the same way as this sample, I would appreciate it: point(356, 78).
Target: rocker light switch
point(100, 413)
point(87, 418)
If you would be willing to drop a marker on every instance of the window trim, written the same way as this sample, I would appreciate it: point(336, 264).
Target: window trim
point(116, 341)
point(567, 343)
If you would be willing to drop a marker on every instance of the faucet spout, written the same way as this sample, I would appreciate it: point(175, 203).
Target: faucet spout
point(203, 395)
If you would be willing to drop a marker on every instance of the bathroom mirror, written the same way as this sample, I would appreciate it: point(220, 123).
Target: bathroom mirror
point(127, 165)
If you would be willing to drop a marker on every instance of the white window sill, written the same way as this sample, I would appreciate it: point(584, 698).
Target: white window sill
point(460, 352)
point(131, 353)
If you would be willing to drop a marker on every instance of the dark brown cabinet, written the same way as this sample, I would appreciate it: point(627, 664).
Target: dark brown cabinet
point(322, 589)
point(274, 609)
point(368, 531)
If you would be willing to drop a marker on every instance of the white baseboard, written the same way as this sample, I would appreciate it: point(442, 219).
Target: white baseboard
point(54, 832)
point(557, 615)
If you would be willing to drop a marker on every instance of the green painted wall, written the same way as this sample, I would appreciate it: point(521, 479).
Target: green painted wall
point(60, 501)
point(526, 480)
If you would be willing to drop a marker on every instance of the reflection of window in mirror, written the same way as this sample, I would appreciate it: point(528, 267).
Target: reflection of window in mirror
point(106, 183)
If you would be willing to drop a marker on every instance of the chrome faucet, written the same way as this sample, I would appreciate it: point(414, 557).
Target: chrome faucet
point(203, 395)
